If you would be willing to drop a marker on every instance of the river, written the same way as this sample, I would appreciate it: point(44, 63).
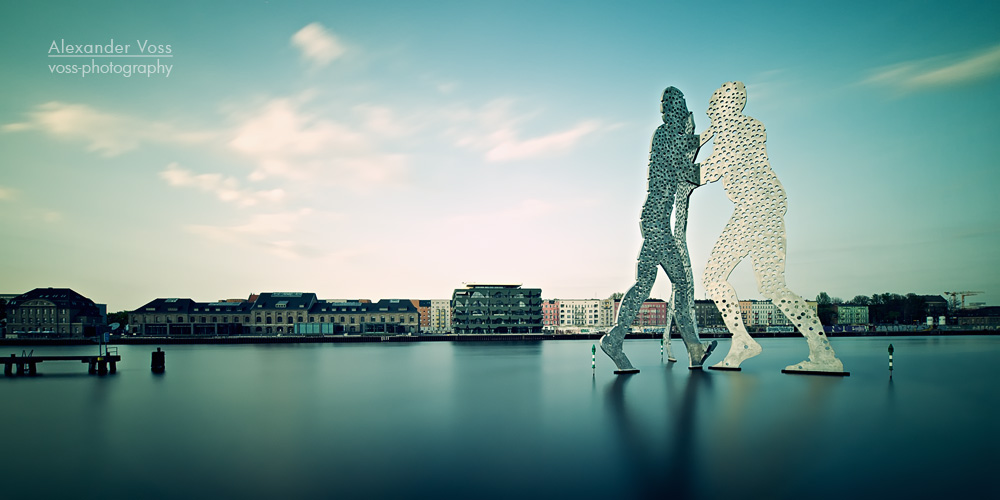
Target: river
point(504, 420)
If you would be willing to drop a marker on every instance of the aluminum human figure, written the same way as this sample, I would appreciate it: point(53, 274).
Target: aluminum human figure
point(756, 229)
point(672, 175)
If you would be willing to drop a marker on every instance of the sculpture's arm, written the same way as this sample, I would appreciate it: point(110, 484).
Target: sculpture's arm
point(694, 173)
point(707, 135)
point(709, 170)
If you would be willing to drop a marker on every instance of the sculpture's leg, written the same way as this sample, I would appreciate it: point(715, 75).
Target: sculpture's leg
point(682, 304)
point(677, 265)
point(611, 343)
point(666, 331)
point(729, 250)
point(770, 270)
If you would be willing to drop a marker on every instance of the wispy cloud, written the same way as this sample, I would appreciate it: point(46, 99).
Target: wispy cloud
point(7, 194)
point(106, 133)
point(224, 188)
point(936, 72)
point(318, 45)
point(275, 233)
point(518, 215)
point(556, 142)
point(286, 141)
point(496, 131)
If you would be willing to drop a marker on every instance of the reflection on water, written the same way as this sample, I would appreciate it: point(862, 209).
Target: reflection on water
point(501, 420)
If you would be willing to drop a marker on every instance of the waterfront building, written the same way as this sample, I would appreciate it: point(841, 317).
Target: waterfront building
point(851, 315)
point(706, 314)
point(488, 308)
point(550, 314)
point(653, 312)
point(980, 318)
point(765, 313)
point(361, 317)
point(278, 312)
point(390, 316)
point(606, 318)
point(166, 317)
point(579, 312)
point(935, 305)
point(746, 311)
point(53, 312)
point(440, 316)
point(424, 314)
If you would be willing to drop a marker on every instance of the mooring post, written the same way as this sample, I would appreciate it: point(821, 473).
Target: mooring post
point(593, 357)
point(8, 367)
point(890, 360)
point(661, 349)
point(158, 364)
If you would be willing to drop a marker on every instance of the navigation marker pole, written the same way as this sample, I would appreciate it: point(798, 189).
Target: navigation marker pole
point(593, 357)
point(890, 360)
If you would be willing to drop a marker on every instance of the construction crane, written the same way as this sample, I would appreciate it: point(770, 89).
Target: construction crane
point(955, 296)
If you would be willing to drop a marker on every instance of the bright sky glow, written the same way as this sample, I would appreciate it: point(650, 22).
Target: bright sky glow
point(397, 149)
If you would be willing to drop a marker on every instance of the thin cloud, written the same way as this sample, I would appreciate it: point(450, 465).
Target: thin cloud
point(274, 233)
point(227, 189)
point(108, 134)
point(382, 121)
point(285, 141)
point(514, 216)
point(556, 142)
point(496, 131)
point(7, 194)
point(938, 72)
point(319, 46)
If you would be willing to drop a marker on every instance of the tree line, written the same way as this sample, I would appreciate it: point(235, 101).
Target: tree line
point(883, 308)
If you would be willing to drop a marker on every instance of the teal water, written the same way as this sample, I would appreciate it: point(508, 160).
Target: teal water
point(503, 420)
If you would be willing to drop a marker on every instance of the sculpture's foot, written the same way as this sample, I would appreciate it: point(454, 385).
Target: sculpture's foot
point(698, 353)
point(740, 351)
point(672, 359)
point(829, 365)
point(613, 348)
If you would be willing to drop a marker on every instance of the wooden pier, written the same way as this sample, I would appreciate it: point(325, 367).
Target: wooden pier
point(28, 364)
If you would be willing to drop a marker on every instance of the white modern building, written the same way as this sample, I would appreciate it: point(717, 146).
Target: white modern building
point(580, 312)
point(440, 316)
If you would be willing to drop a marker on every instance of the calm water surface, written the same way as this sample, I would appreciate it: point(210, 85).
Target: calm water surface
point(502, 420)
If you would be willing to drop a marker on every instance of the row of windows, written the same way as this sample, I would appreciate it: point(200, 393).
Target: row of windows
point(267, 320)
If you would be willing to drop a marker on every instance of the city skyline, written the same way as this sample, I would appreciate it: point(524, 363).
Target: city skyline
point(391, 150)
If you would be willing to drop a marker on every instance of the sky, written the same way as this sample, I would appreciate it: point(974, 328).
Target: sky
point(389, 149)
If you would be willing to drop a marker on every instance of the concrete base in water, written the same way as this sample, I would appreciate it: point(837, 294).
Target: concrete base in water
point(814, 372)
point(726, 368)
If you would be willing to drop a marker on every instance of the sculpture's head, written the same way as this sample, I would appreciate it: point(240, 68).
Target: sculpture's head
point(729, 99)
point(674, 108)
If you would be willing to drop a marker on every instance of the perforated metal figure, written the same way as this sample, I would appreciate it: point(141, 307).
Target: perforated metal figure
point(756, 229)
point(672, 176)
